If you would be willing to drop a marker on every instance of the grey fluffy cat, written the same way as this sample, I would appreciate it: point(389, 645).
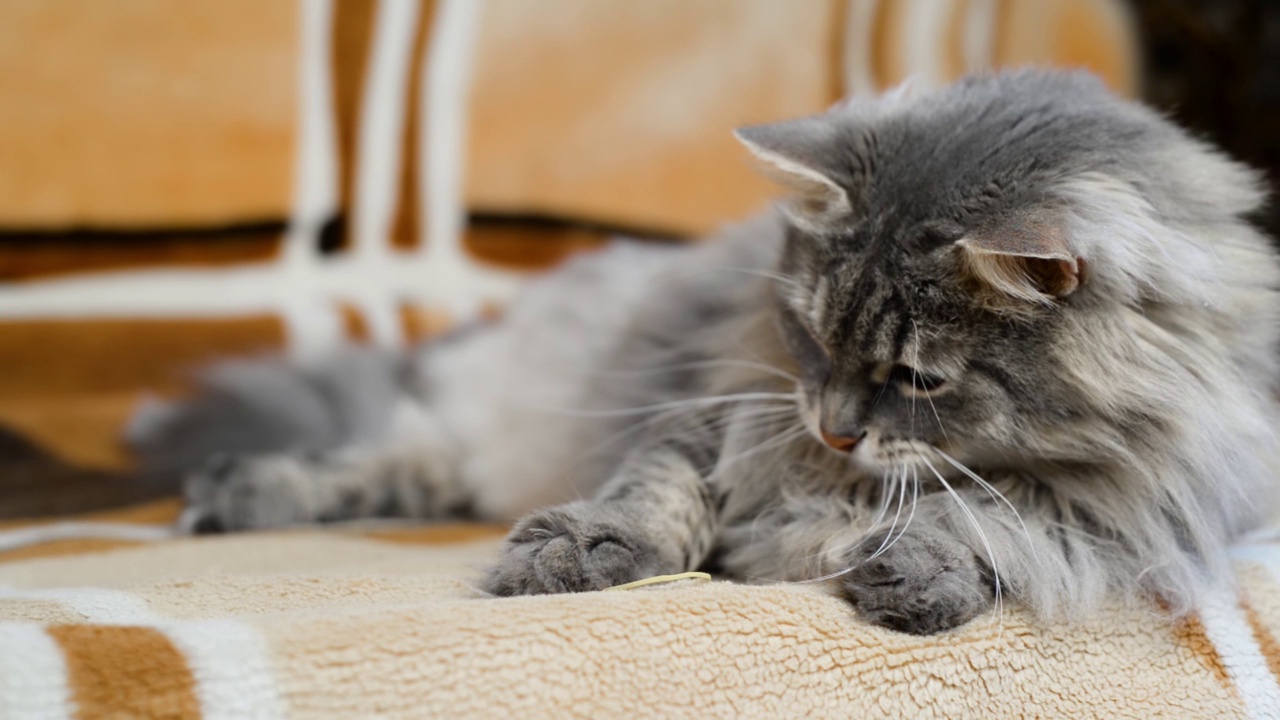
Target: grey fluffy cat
point(1008, 338)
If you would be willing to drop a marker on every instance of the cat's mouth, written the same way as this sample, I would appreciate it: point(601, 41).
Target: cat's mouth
point(885, 456)
point(874, 452)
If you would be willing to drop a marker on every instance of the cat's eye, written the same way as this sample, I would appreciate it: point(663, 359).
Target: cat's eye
point(911, 379)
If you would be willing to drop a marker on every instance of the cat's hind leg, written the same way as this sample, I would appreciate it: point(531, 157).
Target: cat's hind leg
point(268, 443)
point(410, 474)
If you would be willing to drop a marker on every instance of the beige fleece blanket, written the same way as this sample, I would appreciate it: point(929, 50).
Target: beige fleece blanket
point(352, 624)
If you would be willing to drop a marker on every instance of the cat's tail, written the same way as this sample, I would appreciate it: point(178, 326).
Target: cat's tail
point(266, 406)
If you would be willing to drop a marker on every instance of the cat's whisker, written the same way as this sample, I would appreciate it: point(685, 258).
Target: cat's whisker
point(902, 497)
point(786, 436)
point(822, 578)
point(760, 517)
point(883, 511)
point(751, 418)
point(697, 402)
point(748, 420)
point(673, 413)
point(830, 551)
point(915, 500)
point(701, 364)
point(744, 347)
point(982, 535)
point(782, 436)
point(875, 402)
point(927, 396)
point(766, 412)
point(995, 494)
point(768, 275)
point(781, 408)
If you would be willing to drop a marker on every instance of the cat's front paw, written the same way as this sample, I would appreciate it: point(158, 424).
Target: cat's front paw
point(571, 548)
point(237, 492)
point(924, 582)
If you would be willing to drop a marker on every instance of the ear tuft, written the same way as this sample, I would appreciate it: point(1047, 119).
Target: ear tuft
point(1027, 258)
point(791, 154)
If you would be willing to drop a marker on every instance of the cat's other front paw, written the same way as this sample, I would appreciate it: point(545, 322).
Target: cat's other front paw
point(231, 493)
point(578, 547)
point(925, 582)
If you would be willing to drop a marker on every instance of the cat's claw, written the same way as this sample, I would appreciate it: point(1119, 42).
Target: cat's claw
point(572, 548)
point(923, 583)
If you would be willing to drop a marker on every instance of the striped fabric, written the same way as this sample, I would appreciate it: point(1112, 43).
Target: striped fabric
point(383, 622)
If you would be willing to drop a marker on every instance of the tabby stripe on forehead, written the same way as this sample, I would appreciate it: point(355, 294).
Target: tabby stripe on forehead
point(892, 305)
point(406, 228)
point(352, 36)
point(867, 292)
point(126, 672)
point(900, 334)
point(871, 331)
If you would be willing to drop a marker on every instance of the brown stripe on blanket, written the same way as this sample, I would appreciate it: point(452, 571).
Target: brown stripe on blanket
point(406, 230)
point(126, 672)
point(1189, 633)
point(160, 513)
point(352, 37)
point(62, 548)
point(1266, 641)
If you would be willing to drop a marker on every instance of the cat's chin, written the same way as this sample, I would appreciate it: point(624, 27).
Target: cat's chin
point(886, 470)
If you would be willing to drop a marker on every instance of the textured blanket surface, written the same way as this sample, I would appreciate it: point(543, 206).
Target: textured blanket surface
point(384, 623)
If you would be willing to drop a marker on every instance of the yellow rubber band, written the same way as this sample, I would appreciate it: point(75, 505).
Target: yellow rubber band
point(661, 579)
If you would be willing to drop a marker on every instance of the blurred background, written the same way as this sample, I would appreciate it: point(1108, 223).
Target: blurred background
point(183, 179)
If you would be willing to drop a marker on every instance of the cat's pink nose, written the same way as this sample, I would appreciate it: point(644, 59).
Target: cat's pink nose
point(843, 443)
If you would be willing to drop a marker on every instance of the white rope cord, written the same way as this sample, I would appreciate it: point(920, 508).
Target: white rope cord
point(73, 530)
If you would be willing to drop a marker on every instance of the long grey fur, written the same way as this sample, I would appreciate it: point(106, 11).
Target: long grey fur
point(1029, 317)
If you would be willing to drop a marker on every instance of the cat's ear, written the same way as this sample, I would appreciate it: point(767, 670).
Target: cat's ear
point(793, 154)
point(1026, 257)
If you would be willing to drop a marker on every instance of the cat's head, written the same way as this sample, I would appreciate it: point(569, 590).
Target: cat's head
point(964, 267)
